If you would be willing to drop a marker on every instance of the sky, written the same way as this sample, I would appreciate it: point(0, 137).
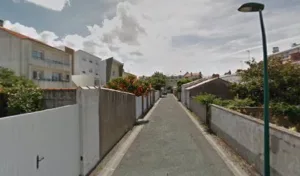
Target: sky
point(170, 36)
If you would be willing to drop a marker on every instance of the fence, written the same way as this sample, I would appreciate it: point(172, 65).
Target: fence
point(157, 95)
point(245, 134)
point(145, 102)
point(88, 100)
point(53, 98)
point(199, 109)
point(43, 143)
point(139, 107)
point(117, 116)
point(68, 140)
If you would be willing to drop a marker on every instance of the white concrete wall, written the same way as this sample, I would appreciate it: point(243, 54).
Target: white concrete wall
point(145, 103)
point(138, 106)
point(245, 134)
point(149, 100)
point(88, 100)
point(184, 97)
point(52, 134)
point(156, 95)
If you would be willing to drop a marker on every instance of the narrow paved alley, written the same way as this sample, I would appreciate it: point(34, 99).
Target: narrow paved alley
point(171, 145)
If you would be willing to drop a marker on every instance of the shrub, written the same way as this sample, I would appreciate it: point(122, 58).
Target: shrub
point(23, 95)
point(206, 99)
point(285, 109)
point(231, 104)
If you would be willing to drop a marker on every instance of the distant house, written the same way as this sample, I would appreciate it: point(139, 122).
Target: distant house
point(232, 78)
point(215, 86)
point(292, 54)
point(192, 76)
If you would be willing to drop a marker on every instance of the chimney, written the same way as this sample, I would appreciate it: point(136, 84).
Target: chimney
point(1, 23)
point(275, 49)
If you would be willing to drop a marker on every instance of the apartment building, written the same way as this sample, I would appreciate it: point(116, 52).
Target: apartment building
point(90, 66)
point(47, 66)
point(292, 54)
point(114, 69)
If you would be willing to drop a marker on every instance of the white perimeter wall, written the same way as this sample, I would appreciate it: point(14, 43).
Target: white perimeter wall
point(245, 135)
point(138, 107)
point(145, 103)
point(52, 134)
point(88, 100)
point(156, 95)
point(149, 100)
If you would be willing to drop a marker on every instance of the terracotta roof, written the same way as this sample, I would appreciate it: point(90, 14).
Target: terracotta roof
point(21, 36)
point(190, 74)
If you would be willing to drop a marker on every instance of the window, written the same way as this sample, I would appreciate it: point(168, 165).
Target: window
point(55, 76)
point(91, 61)
point(97, 74)
point(67, 77)
point(38, 54)
point(38, 75)
point(59, 76)
point(83, 72)
point(91, 70)
point(41, 75)
point(84, 59)
point(34, 75)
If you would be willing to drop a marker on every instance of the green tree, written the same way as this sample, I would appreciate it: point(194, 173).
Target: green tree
point(158, 80)
point(284, 81)
point(181, 82)
point(22, 94)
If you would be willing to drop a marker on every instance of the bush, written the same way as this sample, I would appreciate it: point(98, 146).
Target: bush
point(285, 109)
point(130, 84)
point(231, 104)
point(23, 95)
point(206, 99)
point(181, 82)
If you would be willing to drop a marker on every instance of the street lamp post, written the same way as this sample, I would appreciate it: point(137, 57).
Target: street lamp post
point(257, 7)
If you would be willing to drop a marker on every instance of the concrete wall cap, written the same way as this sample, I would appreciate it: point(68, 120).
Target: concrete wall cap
point(260, 122)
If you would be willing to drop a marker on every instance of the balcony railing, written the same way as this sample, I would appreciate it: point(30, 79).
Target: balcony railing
point(51, 79)
point(50, 61)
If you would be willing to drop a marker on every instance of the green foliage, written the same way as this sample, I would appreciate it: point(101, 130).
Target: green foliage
point(231, 104)
point(158, 80)
point(130, 84)
point(284, 109)
point(284, 81)
point(206, 99)
point(23, 95)
point(181, 82)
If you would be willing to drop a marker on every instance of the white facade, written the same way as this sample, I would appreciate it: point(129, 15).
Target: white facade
point(48, 67)
point(88, 64)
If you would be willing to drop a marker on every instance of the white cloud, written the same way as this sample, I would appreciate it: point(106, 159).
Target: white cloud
point(192, 35)
point(56, 5)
